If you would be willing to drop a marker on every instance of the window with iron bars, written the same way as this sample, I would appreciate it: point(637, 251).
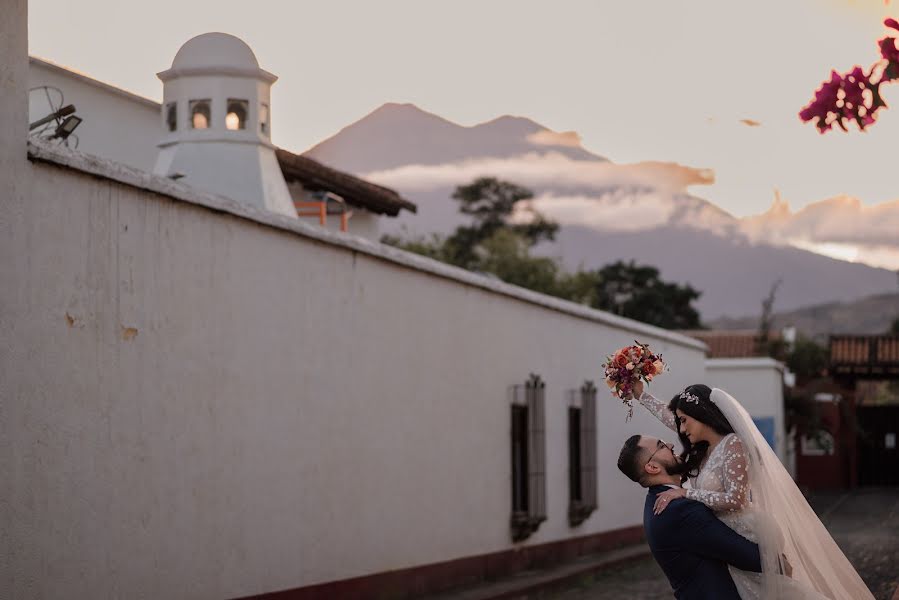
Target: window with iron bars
point(528, 457)
point(581, 453)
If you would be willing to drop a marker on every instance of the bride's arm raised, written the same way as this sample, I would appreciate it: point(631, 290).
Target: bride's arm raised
point(734, 474)
point(657, 407)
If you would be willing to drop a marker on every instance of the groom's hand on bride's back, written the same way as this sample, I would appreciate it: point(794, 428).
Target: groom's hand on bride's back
point(702, 531)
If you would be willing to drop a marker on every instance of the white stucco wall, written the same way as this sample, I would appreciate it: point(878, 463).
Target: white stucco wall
point(216, 403)
point(757, 383)
point(117, 124)
point(14, 182)
point(109, 111)
point(362, 222)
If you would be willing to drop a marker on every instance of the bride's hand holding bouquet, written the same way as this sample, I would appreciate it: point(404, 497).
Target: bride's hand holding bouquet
point(627, 369)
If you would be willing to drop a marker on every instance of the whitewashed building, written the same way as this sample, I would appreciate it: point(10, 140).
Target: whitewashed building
point(217, 124)
point(151, 136)
point(738, 364)
point(202, 399)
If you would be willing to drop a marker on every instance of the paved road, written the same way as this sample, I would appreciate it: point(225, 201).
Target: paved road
point(865, 524)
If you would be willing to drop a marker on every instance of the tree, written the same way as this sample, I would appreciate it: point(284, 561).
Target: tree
point(499, 240)
point(855, 95)
point(765, 345)
point(492, 203)
point(506, 254)
point(637, 292)
point(432, 247)
point(807, 359)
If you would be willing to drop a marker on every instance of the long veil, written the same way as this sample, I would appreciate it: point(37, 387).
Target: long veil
point(787, 526)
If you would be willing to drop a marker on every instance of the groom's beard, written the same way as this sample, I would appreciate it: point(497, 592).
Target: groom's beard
point(676, 466)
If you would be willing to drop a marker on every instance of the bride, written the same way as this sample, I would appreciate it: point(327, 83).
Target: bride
point(733, 471)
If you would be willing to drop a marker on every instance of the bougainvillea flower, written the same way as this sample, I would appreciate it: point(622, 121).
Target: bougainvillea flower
point(855, 96)
point(825, 102)
point(888, 49)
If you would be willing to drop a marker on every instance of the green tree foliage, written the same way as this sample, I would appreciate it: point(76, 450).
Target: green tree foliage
point(807, 359)
point(499, 240)
point(492, 203)
point(637, 291)
point(506, 254)
point(432, 247)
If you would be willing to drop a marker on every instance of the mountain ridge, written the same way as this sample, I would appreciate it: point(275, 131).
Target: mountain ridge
point(870, 315)
point(607, 211)
point(396, 131)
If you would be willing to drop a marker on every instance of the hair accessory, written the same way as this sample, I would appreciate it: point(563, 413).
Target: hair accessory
point(688, 397)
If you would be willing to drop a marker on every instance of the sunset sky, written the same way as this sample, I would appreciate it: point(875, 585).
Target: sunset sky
point(698, 83)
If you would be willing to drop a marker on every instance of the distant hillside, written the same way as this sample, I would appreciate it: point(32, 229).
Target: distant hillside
point(733, 274)
point(607, 211)
point(866, 316)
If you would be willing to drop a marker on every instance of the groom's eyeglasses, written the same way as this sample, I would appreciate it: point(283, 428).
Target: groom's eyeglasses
point(661, 444)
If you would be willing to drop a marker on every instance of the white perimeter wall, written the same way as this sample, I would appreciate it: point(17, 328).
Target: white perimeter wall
point(757, 383)
point(362, 222)
point(126, 128)
point(117, 124)
point(209, 405)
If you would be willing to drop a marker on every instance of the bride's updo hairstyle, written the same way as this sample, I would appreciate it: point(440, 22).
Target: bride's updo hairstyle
point(696, 401)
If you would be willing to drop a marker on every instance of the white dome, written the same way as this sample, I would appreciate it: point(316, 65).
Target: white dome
point(215, 50)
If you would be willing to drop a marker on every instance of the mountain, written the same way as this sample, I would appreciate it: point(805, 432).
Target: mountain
point(403, 134)
point(870, 315)
point(607, 211)
point(733, 274)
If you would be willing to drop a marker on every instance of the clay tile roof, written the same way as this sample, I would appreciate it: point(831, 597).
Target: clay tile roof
point(315, 176)
point(862, 349)
point(849, 350)
point(730, 344)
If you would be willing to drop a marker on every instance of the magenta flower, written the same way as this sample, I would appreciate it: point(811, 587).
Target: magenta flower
point(824, 104)
point(855, 82)
point(845, 98)
point(854, 96)
point(888, 49)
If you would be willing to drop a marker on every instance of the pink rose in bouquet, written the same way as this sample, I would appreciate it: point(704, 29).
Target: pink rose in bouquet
point(627, 366)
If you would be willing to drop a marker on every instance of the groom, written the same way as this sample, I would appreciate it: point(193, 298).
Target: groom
point(690, 544)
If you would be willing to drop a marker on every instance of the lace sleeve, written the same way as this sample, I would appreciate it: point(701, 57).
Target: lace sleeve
point(659, 409)
point(734, 475)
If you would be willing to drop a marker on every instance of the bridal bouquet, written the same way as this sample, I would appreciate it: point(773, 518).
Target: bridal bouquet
point(627, 366)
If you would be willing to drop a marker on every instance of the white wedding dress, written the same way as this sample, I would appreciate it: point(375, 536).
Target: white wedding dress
point(747, 488)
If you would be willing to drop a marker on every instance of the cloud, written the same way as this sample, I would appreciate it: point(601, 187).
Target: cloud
point(547, 170)
point(546, 137)
point(632, 210)
point(841, 227)
point(840, 220)
point(610, 211)
point(641, 196)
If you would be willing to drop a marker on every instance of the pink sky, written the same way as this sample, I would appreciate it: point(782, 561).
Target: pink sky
point(639, 81)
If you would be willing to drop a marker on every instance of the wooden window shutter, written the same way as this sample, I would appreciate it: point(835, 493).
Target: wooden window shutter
point(582, 442)
point(528, 458)
point(536, 448)
point(588, 445)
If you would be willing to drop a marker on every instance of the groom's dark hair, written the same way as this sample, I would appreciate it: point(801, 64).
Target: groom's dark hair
point(629, 459)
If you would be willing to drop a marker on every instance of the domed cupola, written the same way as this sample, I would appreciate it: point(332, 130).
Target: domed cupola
point(216, 118)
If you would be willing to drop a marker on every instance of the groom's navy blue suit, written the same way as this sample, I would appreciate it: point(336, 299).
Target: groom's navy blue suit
point(694, 548)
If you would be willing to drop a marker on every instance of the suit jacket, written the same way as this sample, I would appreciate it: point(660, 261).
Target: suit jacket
point(694, 548)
